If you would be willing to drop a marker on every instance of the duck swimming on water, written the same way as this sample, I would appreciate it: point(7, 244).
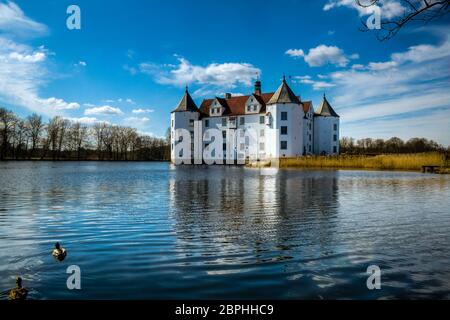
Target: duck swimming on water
point(59, 253)
point(18, 293)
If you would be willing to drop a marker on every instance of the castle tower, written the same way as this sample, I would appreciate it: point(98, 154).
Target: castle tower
point(326, 129)
point(184, 116)
point(285, 131)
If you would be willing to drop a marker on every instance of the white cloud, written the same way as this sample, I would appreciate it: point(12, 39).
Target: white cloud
point(424, 52)
point(87, 120)
point(322, 55)
point(295, 52)
point(357, 67)
point(22, 73)
point(32, 57)
point(133, 120)
point(103, 110)
point(389, 8)
point(224, 75)
point(140, 111)
point(213, 91)
point(395, 106)
point(120, 100)
point(432, 124)
point(81, 64)
point(14, 21)
point(405, 89)
point(378, 66)
point(317, 85)
point(59, 104)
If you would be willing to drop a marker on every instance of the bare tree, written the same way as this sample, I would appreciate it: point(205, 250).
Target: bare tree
point(424, 11)
point(63, 125)
point(7, 123)
point(19, 138)
point(77, 137)
point(35, 127)
point(98, 133)
point(67, 139)
point(52, 131)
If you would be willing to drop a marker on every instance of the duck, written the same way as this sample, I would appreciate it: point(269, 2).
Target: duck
point(59, 253)
point(18, 293)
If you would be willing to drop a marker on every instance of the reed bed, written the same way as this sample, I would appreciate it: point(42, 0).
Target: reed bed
point(413, 161)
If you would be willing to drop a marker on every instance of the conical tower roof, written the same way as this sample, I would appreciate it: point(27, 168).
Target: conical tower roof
point(325, 109)
point(186, 103)
point(284, 94)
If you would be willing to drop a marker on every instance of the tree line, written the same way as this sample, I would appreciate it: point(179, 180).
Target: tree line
point(62, 139)
point(392, 145)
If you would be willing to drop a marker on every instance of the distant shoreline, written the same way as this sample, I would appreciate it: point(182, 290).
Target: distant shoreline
point(399, 162)
point(412, 162)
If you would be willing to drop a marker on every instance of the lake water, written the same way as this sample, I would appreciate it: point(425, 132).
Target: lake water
point(151, 230)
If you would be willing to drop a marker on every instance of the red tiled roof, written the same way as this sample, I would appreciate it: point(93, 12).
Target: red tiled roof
point(235, 105)
point(306, 106)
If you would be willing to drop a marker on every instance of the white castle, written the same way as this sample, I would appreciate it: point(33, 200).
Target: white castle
point(282, 126)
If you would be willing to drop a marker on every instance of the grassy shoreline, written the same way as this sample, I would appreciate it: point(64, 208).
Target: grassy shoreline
point(404, 162)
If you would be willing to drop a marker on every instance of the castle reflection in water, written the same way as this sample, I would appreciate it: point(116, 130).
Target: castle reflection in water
point(238, 210)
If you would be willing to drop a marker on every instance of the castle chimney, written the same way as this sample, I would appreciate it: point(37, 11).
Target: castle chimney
point(227, 95)
point(257, 87)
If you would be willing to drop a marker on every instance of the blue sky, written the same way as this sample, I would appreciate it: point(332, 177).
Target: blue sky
point(131, 60)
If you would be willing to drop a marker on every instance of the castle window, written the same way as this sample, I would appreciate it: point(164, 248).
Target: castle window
point(241, 121)
point(261, 120)
point(335, 127)
point(335, 149)
point(172, 123)
point(224, 134)
point(261, 133)
point(309, 137)
point(261, 146)
point(283, 145)
point(284, 130)
point(335, 138)
point(309, 148)
point(206, 123)
point(242, 147)
point(224, 146)
point(283, 115)
point(224, 122)
point(249, 108)
point(254, 107)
